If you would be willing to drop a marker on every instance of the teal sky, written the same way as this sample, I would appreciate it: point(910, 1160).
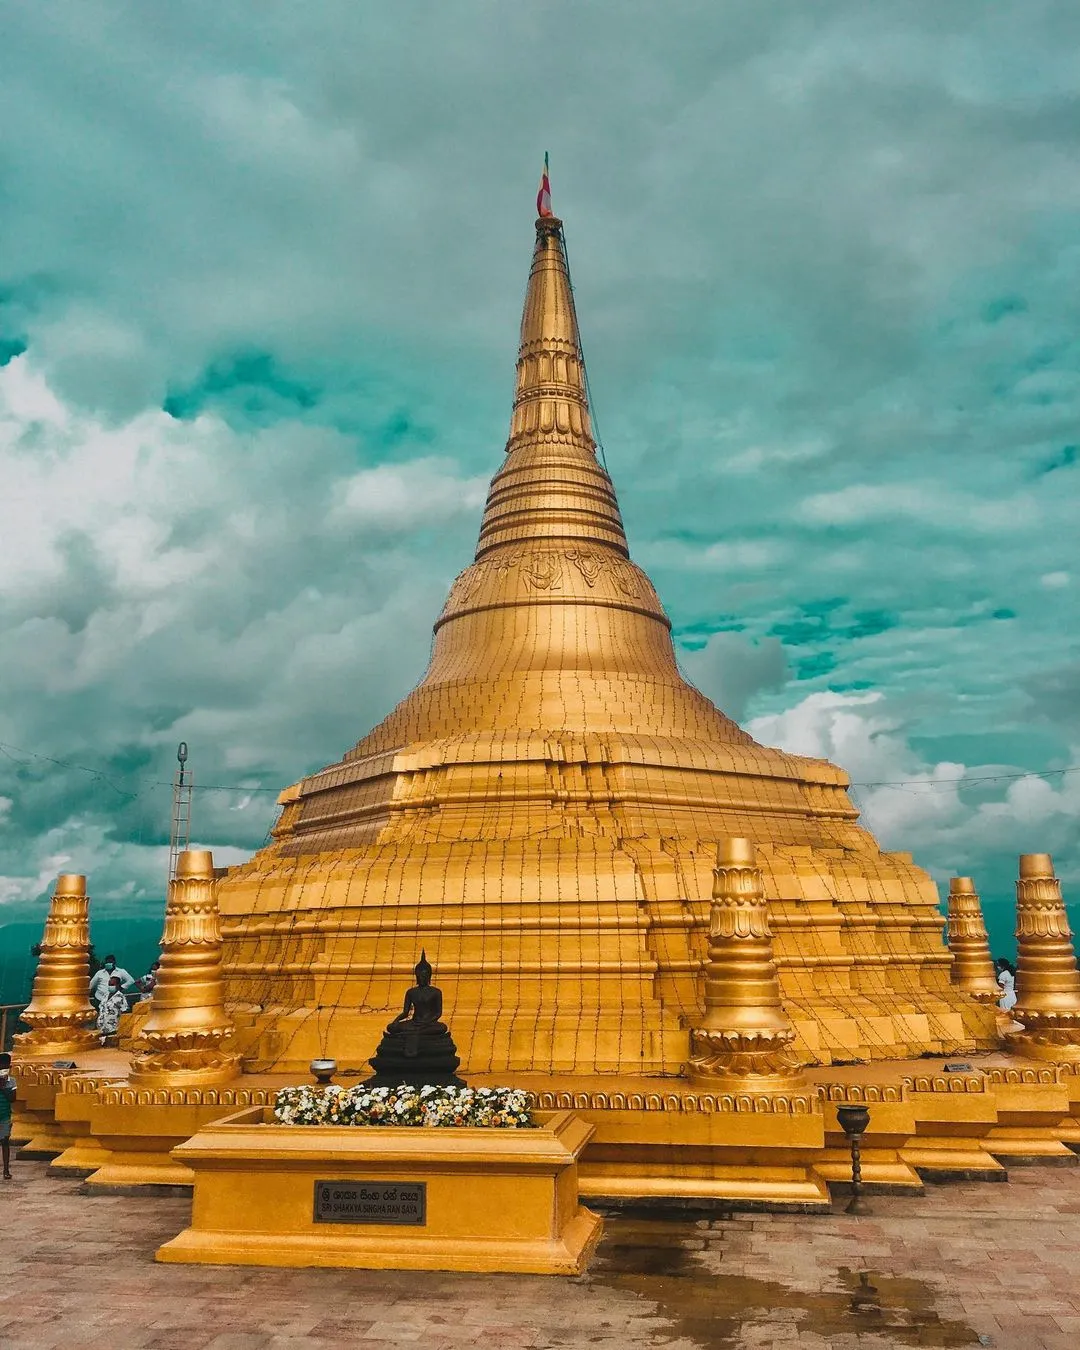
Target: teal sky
point(261, 269)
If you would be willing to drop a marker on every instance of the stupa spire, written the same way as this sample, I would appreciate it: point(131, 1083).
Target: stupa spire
point(550, 365)
point(551, 487)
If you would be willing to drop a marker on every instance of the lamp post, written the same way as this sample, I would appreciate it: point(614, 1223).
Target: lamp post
point(854, 1121)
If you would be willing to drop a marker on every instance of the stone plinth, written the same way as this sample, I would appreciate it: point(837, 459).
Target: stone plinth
point(494, 1199)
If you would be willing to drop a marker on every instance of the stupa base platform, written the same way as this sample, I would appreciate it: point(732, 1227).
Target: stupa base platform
point(943, 1159)
point(133, 1129)
point(656, 1140)
point(388, 1198)
point(84, 1156)
point(91, 1121)
point(44, 1131)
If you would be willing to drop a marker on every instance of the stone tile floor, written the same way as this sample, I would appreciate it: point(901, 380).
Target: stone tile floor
point(979, 1264)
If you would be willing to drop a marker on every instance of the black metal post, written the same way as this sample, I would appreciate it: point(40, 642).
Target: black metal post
point(853, 1121)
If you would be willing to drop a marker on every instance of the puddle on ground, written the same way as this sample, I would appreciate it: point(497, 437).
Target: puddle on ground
point(665, 1263)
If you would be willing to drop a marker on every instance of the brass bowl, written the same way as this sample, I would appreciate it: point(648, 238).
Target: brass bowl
point(323, 1070)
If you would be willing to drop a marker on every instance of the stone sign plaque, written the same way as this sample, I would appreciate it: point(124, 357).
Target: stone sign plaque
point(403, 1202)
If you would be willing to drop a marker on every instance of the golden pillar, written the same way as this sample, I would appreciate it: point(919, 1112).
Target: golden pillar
point(1047, 979)
point(187, 1025)
point(973, 966)
point(60, 1015)
point(745, 1031)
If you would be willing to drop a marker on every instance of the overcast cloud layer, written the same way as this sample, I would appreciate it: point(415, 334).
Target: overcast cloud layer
point(260, 276)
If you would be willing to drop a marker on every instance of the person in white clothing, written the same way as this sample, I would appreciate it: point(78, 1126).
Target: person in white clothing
point(100, 980)
point(1006, 978)
point(112, 1005)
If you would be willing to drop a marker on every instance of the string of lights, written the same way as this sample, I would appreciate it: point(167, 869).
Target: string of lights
point(13, 751)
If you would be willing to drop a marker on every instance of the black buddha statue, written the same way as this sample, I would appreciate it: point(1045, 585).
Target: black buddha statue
point(416, 1047)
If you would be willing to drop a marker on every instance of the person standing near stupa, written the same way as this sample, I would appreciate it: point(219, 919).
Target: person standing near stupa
point(101, 979)
point(7, 1097)
point(1006, 978)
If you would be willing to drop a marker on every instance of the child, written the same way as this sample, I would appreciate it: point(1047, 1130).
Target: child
point(112, 1005)
point(7, 1096)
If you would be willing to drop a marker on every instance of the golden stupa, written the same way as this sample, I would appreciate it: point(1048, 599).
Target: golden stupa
point(542, 815)
point(680, 942)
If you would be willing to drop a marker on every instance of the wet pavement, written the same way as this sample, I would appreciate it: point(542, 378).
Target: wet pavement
point(694, 1278)
point(683, 1276)
point(973, 1264)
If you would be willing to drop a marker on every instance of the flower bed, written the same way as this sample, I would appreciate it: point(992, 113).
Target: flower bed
point(426, 1106)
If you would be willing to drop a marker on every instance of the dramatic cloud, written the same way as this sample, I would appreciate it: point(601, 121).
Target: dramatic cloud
point(252, 592)
point(260, 270)
point(967, 819)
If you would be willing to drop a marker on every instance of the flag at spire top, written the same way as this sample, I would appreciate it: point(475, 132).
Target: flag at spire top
point(543, 197)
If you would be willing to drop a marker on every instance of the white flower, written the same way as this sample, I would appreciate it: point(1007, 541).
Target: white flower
point(428, 1106)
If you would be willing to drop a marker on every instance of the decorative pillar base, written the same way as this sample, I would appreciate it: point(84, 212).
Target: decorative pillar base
point(37, 1044)
point(1061, 1046)
point(1047, 979)
point(186, 1033)
point(184, 1068)
point(973, 966)
point(763, 1061)
point(59, 1014)
point(745, 1039)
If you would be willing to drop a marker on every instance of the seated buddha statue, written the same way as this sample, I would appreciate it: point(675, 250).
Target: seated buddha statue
point(417, 1047)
